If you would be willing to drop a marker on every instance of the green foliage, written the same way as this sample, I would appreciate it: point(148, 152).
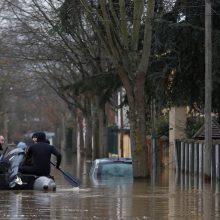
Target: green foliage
point(161, 126)
point(180, 64)
point(177, 68)
point(193, 125)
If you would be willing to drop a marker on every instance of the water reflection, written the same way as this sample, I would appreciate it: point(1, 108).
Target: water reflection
point(167, 195)
point(24, 205)
point(111, 181)
point(199, 199)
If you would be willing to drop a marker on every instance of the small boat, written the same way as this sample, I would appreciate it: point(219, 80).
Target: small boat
point(11, 179)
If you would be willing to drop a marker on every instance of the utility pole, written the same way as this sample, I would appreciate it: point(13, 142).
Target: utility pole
point(208, 90)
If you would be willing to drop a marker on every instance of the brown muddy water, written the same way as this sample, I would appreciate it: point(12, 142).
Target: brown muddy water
point(166, 196)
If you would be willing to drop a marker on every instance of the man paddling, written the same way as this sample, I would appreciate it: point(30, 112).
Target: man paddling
point(40, 154)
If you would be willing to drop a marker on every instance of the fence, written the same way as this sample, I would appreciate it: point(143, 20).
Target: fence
point(158, 150)
point(189, 158)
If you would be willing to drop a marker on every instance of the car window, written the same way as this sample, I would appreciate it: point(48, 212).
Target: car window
point(116, 169)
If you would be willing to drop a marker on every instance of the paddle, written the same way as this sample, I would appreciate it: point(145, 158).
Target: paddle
point(68, 177)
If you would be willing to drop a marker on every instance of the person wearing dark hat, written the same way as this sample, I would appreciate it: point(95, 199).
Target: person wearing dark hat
point(40, 153)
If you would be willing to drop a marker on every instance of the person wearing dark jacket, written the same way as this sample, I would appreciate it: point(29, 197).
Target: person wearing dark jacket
point(40, 154)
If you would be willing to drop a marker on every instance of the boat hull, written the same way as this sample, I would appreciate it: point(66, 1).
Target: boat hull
point(29, 182)
point(10, 178)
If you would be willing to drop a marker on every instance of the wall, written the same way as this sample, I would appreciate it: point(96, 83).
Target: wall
point(177, 125)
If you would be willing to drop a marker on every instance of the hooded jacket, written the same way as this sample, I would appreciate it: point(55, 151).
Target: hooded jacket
point(40, 153)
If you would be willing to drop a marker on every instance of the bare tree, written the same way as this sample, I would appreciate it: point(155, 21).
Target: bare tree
point(68, 59)
point(21, 89)
point(125, 30)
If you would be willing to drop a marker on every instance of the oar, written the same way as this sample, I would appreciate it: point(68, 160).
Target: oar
point(68, 177)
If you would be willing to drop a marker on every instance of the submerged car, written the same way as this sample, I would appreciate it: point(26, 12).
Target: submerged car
point(111, 167)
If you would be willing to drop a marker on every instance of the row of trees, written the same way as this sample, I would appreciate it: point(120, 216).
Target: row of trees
point(86, 50)
point(27, 104)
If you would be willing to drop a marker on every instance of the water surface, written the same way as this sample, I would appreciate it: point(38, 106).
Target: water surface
point(166, 196)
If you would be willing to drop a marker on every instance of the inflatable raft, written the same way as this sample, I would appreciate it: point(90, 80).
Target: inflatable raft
point(11, 179)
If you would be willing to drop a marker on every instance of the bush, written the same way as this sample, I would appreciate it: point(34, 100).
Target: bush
point(193, 124)
point(161, 126)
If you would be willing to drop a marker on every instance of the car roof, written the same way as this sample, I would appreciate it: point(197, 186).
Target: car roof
point(113, 160)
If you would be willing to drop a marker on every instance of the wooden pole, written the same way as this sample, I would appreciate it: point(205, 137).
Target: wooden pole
point(208, 90)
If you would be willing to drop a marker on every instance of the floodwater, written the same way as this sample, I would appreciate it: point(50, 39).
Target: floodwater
point(165, 196)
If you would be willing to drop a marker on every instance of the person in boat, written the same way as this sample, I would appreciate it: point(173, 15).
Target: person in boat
point(3, 165)
point(40, 154)
point(2, 141)
point(22, 145)
point(34, 138)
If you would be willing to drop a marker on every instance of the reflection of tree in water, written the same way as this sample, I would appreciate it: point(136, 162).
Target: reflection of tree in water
point(114, 198)
point(28, 205)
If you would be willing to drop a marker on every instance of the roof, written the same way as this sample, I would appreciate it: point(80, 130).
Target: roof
point(200, 134)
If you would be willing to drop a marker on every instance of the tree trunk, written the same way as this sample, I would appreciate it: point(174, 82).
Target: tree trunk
point(88, 137)
point(136, 100)
point(81, 143)
point(102, 133)
point(74, 134)
point(95, 135)
point(138, 137)
point(131, 63)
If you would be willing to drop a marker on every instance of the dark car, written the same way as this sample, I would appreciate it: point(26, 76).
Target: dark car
point(111, 167)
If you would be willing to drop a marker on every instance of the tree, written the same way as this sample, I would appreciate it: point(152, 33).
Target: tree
point(67, 57)
point(125, 30)
point(21, 90)
point(178, 63)
point(127, 48)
